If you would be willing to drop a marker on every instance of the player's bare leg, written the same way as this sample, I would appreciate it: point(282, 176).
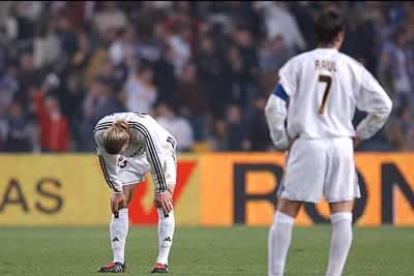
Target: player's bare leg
point(166, 227)
point(341, 240)
point(280, 235)
point(118, 233)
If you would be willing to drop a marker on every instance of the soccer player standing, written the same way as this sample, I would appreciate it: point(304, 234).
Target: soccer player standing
point(317, 95)
point(130, 145)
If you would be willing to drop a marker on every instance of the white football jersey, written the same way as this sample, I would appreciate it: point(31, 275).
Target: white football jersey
point(324, 88)
point(147, 137)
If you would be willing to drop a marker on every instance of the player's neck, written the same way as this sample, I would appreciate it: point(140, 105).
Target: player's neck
point(327, 47)
point(333, 46)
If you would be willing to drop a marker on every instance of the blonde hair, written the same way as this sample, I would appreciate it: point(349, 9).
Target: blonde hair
point(115, 137)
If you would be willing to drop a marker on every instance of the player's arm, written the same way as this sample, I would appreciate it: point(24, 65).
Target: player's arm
point(276, 113)
point(372, 99)
point(153, 150)
point(108, 164)
point(154, 158)
point(277, 104)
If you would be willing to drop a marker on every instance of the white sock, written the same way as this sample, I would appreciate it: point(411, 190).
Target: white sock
point(279, 242)
point(340, 242)
point(119, 231)
point(166, 226)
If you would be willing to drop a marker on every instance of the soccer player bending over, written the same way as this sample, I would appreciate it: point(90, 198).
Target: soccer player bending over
point(317, 95)
point(129, 146)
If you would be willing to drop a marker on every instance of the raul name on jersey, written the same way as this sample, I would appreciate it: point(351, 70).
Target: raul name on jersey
point(325, 65)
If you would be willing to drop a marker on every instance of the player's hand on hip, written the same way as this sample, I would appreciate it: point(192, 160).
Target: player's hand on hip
point(117, 202)
point(357, 140)
point(290, 144)
point(163, 200)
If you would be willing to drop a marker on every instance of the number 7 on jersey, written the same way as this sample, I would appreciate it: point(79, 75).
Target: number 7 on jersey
point(328, 80)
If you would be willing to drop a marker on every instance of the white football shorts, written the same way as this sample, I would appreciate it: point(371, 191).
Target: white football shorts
point(132, 170)
point(316, 167)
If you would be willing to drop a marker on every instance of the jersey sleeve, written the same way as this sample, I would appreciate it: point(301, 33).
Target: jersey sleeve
point(288, 77)
point(372, 99)
point(276, 112)
point(108, 164)
point(153, 149)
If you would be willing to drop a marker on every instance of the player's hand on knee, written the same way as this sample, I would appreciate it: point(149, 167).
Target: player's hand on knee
point(117, 202)
point(163, 200)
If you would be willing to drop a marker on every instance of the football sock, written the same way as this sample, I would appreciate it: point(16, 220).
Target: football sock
point(119, 231)
point(278, 243)
point(340, 242)
point(166, 226)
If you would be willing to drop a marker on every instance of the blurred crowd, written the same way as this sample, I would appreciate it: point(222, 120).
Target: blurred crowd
point(203, 69)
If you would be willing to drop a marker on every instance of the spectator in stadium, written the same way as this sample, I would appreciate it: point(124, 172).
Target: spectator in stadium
point(8, 88)
point(20, 25)
point(243, 38)
point(148, 46)
point(109, 17)
point(27, 76)
point(193, 101)
point(3, 132)
point(123, 46)
point(274, 53)
point(360, 32)
point(396, 69)
point(140, 91)
point(375, 14)
point(108, 72)
point(79, 13)
point(279, 21)
point(100, 101)
point(236, 138)
point(69, 40)
point(164, 78)
point(177, 40)
point(410, 139)
point(401, 130)
point(46, 46)
point(144, 14)
point(249, 69)
point(406, 124)
point(4, 57)
point(410, 24)
point(239, 76)
point(98, 61)
point(304, 13)
point(214, 75)
point(178, 126)
point(81, 57)
point(183, 23)
point(396, 137)
point(54, 127)
point(72, 95)
point(19, 136)
point(257, 130)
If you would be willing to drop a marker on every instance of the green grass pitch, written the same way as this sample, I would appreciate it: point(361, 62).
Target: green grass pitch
point(385, 251)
